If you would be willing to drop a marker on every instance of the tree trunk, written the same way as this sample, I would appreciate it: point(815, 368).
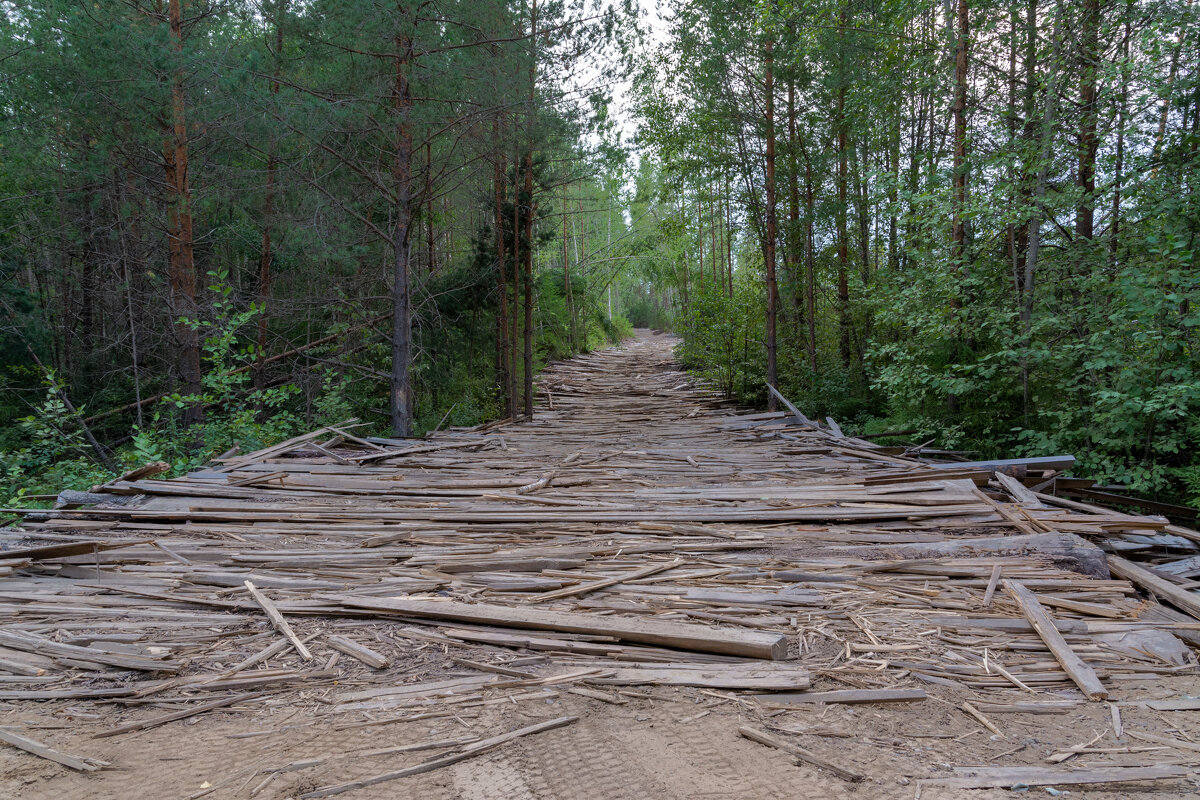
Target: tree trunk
point(401, 386)
point(1089, 55)
point(959, 197)
point(810, 267)
point(1114, 229)
point(265, 256)
point(713, 212)
point(793, 232)
point(567, 279)
point(728, 237)
point(514, 397)
point(843, 237)
point(179, 230)
point(503, 353)
point(1035, 224)
point(769, 244)
point(529, 216)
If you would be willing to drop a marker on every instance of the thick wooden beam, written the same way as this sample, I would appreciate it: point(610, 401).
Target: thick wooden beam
point(1083, 675)
point(680, 635)
point(1043, 462)
point(1161, 588)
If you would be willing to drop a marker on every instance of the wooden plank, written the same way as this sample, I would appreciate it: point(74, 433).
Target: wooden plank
point(1020, 493)
point(806, 756)
point(154, 722)
point(773, 676)
point(680, 635)
point(1182, 704)
point(572, 591)
point(1161, 588)
point(1043, 462)
point(35, 747)
point(1005, 777)
point(1083, 675)
point(71, 549)
point(846, 696)
point(800, 418)
point(356, 650)
point(29, 643)
point(469, 751)
point(278, 621)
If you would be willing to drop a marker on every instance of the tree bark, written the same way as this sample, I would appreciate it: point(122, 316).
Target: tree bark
point(430, 236)
point(401, 385)
point(1089, 55)
point(265, 253)
point(514, 397)
point(1114, 230)
point(503, 352)
point(772, 224)
point(843, 238)
point(529, 215)
point(182, 259)
point(567, 278)
point(1035, 224)
point(793, 232)
point(810, 267)
point(958, 232)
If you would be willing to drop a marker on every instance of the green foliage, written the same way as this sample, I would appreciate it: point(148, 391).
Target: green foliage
point(53, 453)
point(1084, 345)
point(236, 415)
point(721, 338)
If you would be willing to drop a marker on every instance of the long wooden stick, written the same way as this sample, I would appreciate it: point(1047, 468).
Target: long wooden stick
point(79, 763)
point(593, 586)
point(812, 759)
point(278, 621)
point(184, 714)
point(660, 633)
point(442, 761)
point(1083, 675)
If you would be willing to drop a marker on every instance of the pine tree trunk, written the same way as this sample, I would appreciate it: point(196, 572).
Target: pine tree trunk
point(265, 255)
point(1114, 229)
point(1089, 47)
point(529, 217)
point(503, 353)
point(843, 237)
point(179, 228)
point(1035, 224)
point(793, 232)
point(401, 386)
point(959, 198)
point(769, 245)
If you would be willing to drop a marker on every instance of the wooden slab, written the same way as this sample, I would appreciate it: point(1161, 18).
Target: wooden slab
point(680, 635)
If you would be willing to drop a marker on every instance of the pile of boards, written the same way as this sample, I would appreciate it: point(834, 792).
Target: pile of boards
point(638, 531)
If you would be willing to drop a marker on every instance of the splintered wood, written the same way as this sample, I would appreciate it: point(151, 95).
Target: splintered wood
point(639, 532)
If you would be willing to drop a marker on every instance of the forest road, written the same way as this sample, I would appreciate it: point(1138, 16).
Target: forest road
point(735, 523)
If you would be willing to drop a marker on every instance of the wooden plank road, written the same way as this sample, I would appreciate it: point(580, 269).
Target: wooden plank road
point(639, 531)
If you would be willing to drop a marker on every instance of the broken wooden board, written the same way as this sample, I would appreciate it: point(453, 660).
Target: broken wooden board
point(679, 635)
